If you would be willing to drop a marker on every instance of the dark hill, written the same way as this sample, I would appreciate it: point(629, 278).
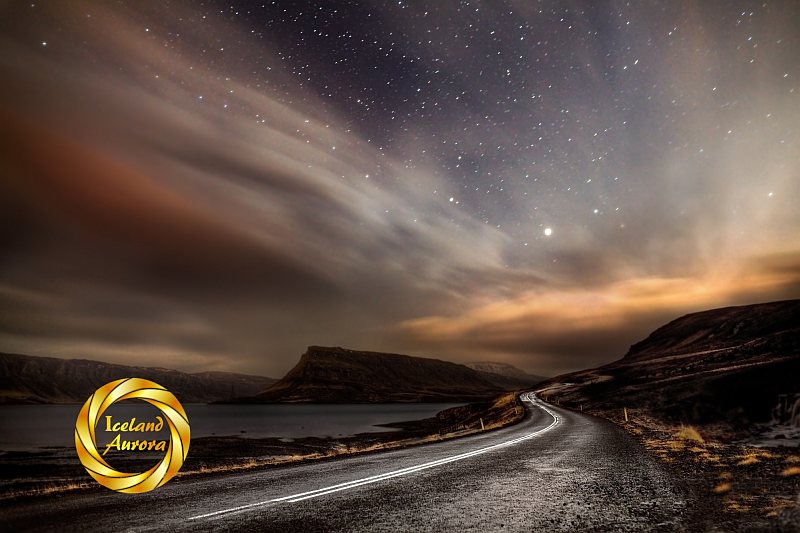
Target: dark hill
point(338, 375)
point(732, 367)
point(721, 329)
point(29, 379)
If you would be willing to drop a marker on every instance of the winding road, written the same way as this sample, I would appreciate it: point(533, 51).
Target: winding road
point(555, 470)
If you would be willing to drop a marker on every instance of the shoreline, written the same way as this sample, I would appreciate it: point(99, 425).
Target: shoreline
point(58, 471)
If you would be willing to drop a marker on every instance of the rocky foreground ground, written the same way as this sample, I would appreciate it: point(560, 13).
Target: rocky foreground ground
point(729, 486)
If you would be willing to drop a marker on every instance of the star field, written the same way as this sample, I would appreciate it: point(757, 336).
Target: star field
point(484, 96)
point(533, 182)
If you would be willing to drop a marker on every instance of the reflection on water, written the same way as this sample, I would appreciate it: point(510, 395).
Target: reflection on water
point(27, 427)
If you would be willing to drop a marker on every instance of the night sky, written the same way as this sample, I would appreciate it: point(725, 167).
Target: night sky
point(216, 186)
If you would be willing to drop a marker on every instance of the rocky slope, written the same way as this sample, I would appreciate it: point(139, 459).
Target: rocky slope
point(727, 369)
point(29, 379)
point(338, 375)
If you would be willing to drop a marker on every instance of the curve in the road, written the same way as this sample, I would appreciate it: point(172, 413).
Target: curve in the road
point(528, 397)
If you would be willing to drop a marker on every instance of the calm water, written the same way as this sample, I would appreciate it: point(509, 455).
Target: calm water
point(27, 427)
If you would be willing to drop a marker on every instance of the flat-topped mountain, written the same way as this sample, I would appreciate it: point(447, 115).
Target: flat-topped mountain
point(338, 375)
point(30, 379)
point(731, 367)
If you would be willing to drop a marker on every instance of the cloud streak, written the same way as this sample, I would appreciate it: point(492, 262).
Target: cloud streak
point(174, 190)
point(567, 328)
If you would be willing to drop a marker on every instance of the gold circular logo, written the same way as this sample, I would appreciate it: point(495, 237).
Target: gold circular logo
point(127, 389)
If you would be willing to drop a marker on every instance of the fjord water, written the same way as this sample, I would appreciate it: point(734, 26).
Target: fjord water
point(28, 427)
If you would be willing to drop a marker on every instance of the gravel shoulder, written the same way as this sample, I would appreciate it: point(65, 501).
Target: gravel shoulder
point(728, 486)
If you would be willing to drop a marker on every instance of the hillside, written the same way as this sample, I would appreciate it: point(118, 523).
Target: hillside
point(505, 375)
point(729, 369)
point(29, 379)
point(747, 327)
point(338, 375)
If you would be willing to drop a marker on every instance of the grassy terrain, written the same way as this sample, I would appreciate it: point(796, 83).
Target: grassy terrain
point(501, 411)
point(58, 470)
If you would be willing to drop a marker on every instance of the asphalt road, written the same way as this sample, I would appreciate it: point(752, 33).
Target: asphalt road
point(556, 470)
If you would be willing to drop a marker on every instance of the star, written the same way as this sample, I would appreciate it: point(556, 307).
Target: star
point(312, 141)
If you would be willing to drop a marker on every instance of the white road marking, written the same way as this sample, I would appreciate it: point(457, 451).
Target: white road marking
point(530, 398)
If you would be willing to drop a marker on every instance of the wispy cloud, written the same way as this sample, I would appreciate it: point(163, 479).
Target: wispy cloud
point(174, 193)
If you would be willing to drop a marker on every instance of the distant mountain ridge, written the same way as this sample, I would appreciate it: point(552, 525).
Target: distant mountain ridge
point(728, 367)
point(506, 374)
point(32, 379)
point(339, 375)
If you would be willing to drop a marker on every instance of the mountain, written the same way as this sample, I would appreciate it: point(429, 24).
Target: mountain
point(748, 327)
point(338, 375)
point(29, 379)
point(731, 368)
point(505, 375)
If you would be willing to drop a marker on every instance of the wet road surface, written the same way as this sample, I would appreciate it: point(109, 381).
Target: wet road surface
point(556, 470)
